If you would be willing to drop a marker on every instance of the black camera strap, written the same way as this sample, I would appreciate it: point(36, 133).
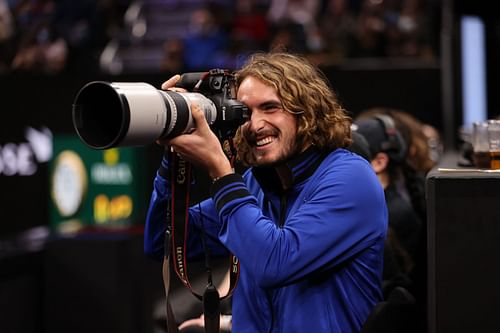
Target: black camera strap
point(181, 171)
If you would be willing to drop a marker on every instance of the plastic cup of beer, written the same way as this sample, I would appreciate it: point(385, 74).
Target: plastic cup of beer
point(480, 145)
point(486, 144)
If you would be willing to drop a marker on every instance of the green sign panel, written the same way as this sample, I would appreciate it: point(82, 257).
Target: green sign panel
point(95, 188)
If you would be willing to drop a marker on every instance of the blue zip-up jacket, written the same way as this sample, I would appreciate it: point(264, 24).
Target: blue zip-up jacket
point(311, 257)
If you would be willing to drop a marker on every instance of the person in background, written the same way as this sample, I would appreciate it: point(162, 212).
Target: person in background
point(388, 150)
point(294, 25)
point(338, 26)
point(307, 219)
point(419, 158)
point(397, 150)
point(205, 44)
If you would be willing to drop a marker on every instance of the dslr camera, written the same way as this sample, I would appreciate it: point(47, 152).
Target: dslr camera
point(111, 114)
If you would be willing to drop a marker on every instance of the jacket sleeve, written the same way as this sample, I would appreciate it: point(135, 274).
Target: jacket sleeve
point(201, 215)
point(156, 219)
point(342, 215)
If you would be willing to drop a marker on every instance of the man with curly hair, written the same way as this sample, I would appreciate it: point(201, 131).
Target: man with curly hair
point(307, 219)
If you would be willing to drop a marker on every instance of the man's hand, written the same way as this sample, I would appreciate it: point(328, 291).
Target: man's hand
point(170, 83)
point(202, 147)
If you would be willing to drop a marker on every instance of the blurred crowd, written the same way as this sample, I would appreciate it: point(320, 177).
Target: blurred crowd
point(50, 36)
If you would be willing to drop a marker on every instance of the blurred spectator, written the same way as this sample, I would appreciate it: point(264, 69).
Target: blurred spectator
point(205, 45)
point(388, 147)
point(406, 240)
point(294, 24)
point(250, 25)
point(85, 26)
point(173, 56)
point(418, 163)
point(39, 47)
point(411, 37)
point(420, 156)
point(53, 36)
point(6, 21)
point(50, 36)
point(338, 31)
point(248, 30)
point(6, 35)
point(412, 188)
point(371, 34)
point(434, 142)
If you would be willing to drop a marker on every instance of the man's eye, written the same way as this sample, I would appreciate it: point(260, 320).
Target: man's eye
point(270, 108)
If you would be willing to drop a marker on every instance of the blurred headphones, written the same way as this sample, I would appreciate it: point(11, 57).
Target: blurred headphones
point(394, 146)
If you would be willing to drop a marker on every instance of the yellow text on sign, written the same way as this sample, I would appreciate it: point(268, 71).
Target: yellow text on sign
point(112, 209)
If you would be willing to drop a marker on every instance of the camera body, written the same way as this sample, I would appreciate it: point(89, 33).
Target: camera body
point(111, 114)
point(219, 86)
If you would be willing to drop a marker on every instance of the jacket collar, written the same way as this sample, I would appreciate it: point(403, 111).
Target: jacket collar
point(298, 169)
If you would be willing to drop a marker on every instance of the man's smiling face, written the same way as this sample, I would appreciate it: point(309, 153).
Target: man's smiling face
point(271, 131)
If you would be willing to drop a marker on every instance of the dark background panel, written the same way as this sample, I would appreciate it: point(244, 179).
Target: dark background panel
point(99, 284)
point(463, 233)
point(415, 90)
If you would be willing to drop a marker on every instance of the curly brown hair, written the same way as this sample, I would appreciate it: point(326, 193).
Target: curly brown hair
point(304, 92)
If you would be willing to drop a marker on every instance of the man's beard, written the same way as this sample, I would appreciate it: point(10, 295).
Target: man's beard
point(286, 155)
point(247, 142)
